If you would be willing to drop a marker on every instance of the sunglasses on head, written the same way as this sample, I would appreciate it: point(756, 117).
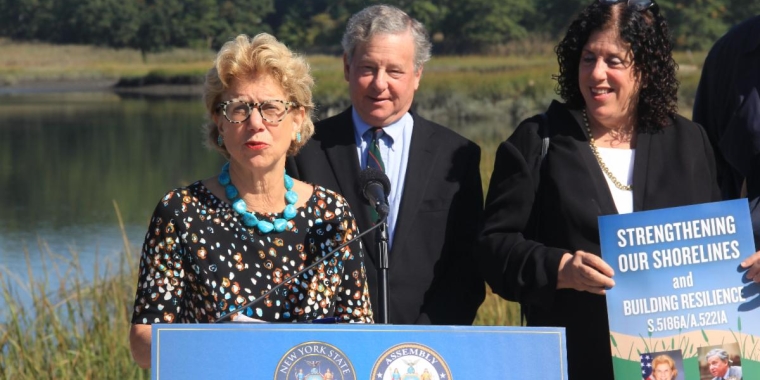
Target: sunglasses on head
point(637, 5)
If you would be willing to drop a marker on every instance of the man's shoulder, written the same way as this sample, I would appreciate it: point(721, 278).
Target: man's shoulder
point(343, 117)
point(682, 132)
point(684, 126)
point(746, 31)
point(739, 39)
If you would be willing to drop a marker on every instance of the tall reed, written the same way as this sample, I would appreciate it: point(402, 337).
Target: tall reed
point(71, 328)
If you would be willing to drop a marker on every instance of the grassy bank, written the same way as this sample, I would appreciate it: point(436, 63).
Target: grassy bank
point(462, 87)
point(73, 330)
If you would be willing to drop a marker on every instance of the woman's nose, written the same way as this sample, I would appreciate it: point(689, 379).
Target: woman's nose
point(599, 71)
point(255, 121)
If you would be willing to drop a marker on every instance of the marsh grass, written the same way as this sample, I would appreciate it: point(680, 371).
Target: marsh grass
point(34, 62)
point(72, 329)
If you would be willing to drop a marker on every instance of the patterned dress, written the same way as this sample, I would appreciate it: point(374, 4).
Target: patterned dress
point(199, 262)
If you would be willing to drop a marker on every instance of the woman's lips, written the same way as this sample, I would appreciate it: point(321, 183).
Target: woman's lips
point(600, 93)
point(255, 145)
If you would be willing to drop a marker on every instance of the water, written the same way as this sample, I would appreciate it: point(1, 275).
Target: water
point(67, 158)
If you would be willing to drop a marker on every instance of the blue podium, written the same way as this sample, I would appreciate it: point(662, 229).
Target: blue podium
point(356, 351)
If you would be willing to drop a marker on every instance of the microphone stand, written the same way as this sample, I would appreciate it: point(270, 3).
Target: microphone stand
point(381, 234)
point(334, 252)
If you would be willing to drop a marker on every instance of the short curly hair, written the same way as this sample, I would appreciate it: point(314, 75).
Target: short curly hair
point(647, 34)
point(245, 57)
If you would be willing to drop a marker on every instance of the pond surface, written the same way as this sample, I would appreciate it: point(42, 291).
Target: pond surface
point(68, 160)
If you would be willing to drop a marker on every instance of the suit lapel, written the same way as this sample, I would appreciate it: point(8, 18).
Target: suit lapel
point(421, 157)
point(640, 169)
point(606, 205)
point(344, 162)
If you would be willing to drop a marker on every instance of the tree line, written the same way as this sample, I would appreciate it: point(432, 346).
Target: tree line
point(456, 26)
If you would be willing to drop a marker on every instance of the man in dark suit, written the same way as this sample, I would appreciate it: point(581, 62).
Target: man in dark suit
point(436, 198)
point(728, 106)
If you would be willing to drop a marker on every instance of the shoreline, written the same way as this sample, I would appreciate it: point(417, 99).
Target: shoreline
point(100, 85)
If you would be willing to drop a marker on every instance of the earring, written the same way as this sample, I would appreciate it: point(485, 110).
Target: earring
point(298, 137)
point(220, 140)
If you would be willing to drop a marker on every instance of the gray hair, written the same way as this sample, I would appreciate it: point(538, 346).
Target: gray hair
point(386, 19)
point(720, 353)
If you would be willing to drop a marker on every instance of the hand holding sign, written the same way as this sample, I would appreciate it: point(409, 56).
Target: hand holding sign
point(585, 272)
point(753, 263)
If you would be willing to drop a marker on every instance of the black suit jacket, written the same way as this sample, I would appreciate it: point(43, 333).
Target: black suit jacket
point(728, 106)
point(432, 276)
point(534, 214)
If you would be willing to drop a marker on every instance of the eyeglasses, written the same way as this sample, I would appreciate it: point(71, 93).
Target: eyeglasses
point(636, 5)
point(272, 111)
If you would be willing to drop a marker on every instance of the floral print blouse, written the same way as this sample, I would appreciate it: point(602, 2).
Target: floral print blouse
point(200, 263)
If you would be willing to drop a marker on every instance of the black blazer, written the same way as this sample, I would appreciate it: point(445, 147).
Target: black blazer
point(432, 276)
point(535, 214)
point(727, 104)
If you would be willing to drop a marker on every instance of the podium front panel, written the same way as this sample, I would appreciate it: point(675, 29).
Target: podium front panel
point(356, 351)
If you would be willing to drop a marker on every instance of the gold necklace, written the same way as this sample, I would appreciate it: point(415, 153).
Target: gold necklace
point(606, 170)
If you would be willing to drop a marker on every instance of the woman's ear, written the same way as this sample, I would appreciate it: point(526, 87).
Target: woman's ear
point(217, 121)
point(298, 117)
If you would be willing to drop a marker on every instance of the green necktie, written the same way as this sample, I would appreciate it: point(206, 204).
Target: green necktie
point(375, 161)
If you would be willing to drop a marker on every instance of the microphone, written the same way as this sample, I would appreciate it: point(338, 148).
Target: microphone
point(309, 267)
point(375, 186)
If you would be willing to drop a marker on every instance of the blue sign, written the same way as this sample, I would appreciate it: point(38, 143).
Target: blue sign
point(356, 351)
point(679, 290)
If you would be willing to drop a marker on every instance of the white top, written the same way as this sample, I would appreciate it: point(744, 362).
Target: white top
point(620, 163)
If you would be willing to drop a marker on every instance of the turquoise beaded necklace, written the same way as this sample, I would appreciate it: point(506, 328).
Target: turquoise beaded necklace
point(250, 220)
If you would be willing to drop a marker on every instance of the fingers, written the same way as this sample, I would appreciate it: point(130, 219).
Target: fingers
point(748, 262)
point(585, 272)
point(597, 263)
point(753, 263)
point(596, 273)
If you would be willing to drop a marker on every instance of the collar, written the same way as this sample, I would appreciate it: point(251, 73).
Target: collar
point(394, 130)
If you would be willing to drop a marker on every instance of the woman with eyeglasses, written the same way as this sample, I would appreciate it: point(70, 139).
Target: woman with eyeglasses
point(615, 145)
point(220, 243)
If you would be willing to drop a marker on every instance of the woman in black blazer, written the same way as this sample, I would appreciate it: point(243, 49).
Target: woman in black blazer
point(616, 145)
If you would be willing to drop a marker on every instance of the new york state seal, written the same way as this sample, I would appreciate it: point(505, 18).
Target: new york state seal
point(314, 361)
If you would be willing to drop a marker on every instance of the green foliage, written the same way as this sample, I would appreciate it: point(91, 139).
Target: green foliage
point(28, 19)
point(106, 23)
point(240, 16)
point(159, 25)
point(554, 17)
point(473, 26)
point(695, 24)
point(740, 10)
